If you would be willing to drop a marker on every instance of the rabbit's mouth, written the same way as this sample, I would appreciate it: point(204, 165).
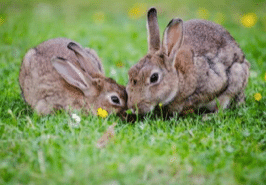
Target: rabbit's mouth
point(143, 109)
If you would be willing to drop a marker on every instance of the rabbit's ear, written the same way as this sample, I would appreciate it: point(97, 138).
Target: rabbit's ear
point(153, 31)
point(96, 59)
point(72, 74)
point(86, 60)
point(173, 37)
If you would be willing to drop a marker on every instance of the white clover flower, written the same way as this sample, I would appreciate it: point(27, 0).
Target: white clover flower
point(76, 118)
point(75, 122)
point(113, 71)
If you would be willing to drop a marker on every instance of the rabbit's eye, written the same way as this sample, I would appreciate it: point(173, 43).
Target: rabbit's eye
point(115, 99)
point(154, 77)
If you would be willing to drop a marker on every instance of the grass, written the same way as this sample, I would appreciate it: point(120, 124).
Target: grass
point(229, 148)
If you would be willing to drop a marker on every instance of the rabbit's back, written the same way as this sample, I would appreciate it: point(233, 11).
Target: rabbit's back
point(40, 81)
point(48, 49)
point(211, 41)
point(218, 60)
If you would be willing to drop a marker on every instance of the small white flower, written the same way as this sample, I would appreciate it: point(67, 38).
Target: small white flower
point(141, 126)
point(76, 118)
point(75, 122)
point(113, 71)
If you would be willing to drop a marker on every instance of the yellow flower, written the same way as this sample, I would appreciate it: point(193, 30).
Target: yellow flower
point(249, 20)
point(219, 18)
point(2, 20)
point(119, 64)
point(102, 113)
point(99, 17)
point(257, 96)
point(137, 11)
point(160, 104)
point(203, 13)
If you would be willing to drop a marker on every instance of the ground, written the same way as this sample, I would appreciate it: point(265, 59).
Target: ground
point(227, 148)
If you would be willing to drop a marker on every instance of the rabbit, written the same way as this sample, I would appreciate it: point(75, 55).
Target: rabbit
point(198, 64)
point(60, 74)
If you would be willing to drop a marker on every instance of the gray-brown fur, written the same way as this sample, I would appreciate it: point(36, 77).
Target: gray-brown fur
point(198, 62)
point(45, 89)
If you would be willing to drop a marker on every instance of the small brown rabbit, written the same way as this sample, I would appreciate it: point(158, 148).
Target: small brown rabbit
point(197, 65)
point(59, 73)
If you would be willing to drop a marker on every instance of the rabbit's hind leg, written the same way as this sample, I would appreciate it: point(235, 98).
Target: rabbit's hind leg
point(240, 98)
point(237, 81)
point(223, 102)
point(43, 108)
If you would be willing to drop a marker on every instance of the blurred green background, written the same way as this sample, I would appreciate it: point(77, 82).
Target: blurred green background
point(227, 149)
point(104, 25)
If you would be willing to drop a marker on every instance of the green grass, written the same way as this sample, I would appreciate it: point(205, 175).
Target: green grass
point(229, 148)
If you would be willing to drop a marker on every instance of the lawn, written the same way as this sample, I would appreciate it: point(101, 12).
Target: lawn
point(228, 148)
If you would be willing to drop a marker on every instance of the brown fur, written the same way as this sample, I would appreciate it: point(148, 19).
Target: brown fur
point(197, 62)
point(45, 89)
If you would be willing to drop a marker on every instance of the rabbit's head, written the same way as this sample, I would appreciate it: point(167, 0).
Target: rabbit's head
point(86, 75)
point(154, 79)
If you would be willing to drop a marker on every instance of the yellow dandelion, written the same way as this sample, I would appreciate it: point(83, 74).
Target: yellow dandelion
point(137, 10)
point(102, 113)
point(203, 13)
point(257, 96)
point(119, 64)
point(160, 104)
point(2, 20)
point(219, 18)
point(99, 17)
point(249, 20)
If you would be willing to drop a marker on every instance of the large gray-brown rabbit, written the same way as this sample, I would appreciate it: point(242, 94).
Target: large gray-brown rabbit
point(197, 65)
point(59, 73)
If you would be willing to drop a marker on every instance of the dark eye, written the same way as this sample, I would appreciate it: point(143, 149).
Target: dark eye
point(115, 99)
point(154, 77)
